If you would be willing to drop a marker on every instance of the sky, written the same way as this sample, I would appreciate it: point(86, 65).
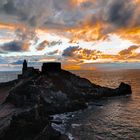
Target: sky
point(78, 33)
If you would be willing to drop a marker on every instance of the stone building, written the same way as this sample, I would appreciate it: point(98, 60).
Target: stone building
point(51, 66)
point(46, 67)
point(28, 71)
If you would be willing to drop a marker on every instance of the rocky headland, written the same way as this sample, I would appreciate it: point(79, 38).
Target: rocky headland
point(31, 99)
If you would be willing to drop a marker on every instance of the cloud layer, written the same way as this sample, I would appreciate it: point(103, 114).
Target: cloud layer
point(72, 13)
point(75, 20)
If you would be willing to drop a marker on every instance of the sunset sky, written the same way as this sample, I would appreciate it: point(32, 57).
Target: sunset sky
point(78, 33)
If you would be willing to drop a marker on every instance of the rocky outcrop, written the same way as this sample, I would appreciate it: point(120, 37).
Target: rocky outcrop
point(29, 125)
point(35, 98)
point(124, 89)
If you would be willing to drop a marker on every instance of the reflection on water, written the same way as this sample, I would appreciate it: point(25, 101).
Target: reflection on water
point(113, 118)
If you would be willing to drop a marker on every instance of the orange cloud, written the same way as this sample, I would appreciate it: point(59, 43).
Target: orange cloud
point(129, 51)
point(11, 26)
point(137, 1)
point(82, 1)
point(83, 56)
point(87, 33)
point(132, 34)
point(80, 55)
point(7, 26)
point(42, 45)
point(25, 47)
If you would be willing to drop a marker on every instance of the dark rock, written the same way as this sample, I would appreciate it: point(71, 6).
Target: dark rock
point(124, 89)
point(10, 83)
point(28, 125)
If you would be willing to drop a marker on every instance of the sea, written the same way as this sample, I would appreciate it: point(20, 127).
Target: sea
point(115, 118)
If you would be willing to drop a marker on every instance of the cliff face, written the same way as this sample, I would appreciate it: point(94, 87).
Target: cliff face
point(51, 93)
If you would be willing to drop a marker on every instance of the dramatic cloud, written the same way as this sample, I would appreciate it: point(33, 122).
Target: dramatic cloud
point(46, 43)
point(50, 26)
point(14, 46)
point(88, 20)
point(80, 54)
point(69, 52)
point(53, 52)
point(53, 43)
point(77, 54)
point(25, 34)
point(30, 11)
point(120, 12)
point(129, 54)
point(42, 45)
point(129, 51)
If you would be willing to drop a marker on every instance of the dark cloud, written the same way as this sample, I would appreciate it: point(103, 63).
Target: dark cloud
point(14, 46)
point(79, 54)
point(64, 15)
point(26, 34)
point(69, 52)
point(42, 45)
point(121, 12)
point(114, 15)
point(30, 11)
point(20, 9)
point(129, 51)
point(46, 43)
point(53, 52)
point(53, 43)
point(87, 4)
point(9, 7)
point(58, 13)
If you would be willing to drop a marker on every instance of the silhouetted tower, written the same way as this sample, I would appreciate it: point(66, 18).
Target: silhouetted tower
point(24, 66)
point(51, 66)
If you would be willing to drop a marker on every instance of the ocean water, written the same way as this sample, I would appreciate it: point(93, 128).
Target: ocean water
point(6, 76)
point(116, 118)
point(113, 118)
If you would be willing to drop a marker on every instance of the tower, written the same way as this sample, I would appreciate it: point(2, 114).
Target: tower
point(51, 66)
point(24, 66)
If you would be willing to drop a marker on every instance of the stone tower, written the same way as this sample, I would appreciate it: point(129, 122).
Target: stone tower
point(24, 66)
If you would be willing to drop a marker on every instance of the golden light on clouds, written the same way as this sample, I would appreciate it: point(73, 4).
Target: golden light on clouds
point(26, 46)
point(137, 1)
point(72, 31)
point(132, 34)
point(11, 26)
point(78, 1)
point(7, 26)
point(87, 33)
